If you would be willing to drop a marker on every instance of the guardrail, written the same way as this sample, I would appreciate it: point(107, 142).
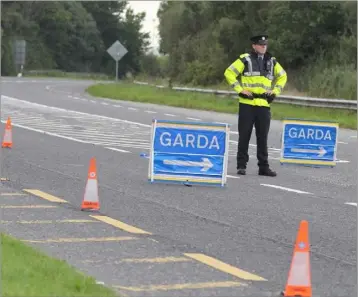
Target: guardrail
point(294, 100)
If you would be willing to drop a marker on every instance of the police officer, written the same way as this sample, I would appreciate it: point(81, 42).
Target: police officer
point(261, 79)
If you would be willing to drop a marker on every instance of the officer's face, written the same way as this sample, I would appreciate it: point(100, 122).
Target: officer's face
point(260, 48)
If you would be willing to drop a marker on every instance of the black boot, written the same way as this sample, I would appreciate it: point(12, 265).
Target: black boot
point(267, 172)
point(241, 171)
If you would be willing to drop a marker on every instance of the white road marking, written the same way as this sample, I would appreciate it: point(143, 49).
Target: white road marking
point(150, 111)
point(285, 189)
point(351, 203)
point(353, 136)
point(341, 142)
point(132, 108)
point(170, 115)
point(342, 161)
point(232, 176)
point(68, 111)
point(117, 105)
point(193, 119)
point(270, 148)
point(104, 103)
point(111, 133)
point(118, 150)
point(92, 101)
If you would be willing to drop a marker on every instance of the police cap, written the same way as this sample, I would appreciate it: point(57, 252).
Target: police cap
point(259, 39)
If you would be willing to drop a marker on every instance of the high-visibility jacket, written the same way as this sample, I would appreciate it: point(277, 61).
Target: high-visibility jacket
point(244, 74)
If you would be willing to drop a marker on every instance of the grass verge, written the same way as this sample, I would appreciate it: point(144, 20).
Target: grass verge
point(148, 94)
point(27, 272)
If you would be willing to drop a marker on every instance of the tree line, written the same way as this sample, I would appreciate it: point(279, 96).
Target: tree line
point(316, 42)
point(72, 36)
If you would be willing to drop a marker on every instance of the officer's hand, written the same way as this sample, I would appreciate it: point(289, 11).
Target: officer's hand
point(246, 94)
point(270, 97)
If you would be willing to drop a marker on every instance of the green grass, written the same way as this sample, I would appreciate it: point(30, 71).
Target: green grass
point(141, 93)
point(27, 272)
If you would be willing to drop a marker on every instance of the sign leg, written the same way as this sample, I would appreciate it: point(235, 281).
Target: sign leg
point(116, 70)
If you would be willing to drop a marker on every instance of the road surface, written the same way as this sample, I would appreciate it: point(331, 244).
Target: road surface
point(193, 241)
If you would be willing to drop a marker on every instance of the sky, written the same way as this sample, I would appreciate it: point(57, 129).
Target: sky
point(151, 21)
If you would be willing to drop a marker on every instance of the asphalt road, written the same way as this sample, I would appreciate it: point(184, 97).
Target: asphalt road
point(250, 225)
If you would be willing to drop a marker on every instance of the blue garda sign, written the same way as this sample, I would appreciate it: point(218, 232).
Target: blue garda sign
point(309, 142)
point(189, 152)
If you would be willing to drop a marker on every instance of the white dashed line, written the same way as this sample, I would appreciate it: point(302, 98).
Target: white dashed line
point(104, 103)
point(351, 203)
point(132, 108)
point(353, 136)
point(232, 176)
point(76, 98)
point(92, 101)
point(341, 142)
point(170, 115)
point(117, 105)
point(193, 119)
point(117, 150)
point(149, 111)
point(342, 161)
point(285, 189)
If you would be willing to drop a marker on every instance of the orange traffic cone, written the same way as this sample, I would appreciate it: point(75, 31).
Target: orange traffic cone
point(7, 140)
point(91, 199)
point(299, 277)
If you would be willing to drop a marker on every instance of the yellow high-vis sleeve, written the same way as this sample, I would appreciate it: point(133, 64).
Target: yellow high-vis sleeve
point(281, 79)
point(232, 72)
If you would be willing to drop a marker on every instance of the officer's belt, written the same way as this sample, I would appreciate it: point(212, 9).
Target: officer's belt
point(255, 95)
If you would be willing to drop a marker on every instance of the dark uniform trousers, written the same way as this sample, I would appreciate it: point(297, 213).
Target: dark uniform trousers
point(250, 116)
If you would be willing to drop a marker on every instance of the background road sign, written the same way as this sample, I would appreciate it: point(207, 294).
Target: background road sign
point(309, 142)
point(117, 51)
point(190, 153)
point(19, 54)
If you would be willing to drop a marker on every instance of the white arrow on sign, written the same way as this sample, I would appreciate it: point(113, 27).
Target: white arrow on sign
point(321, 152)
point(206, 164)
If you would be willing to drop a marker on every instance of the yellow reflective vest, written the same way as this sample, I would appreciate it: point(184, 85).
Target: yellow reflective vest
point(244, 74)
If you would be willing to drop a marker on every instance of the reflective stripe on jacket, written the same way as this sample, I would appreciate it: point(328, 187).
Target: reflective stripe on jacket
point(244, 74)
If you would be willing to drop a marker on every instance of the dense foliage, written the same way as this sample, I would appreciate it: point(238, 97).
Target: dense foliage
point(72, 36)
point(316, 42)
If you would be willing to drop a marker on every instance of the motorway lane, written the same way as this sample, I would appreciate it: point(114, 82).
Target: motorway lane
point(337, 183)
point(285, 208)
point(121, 135)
